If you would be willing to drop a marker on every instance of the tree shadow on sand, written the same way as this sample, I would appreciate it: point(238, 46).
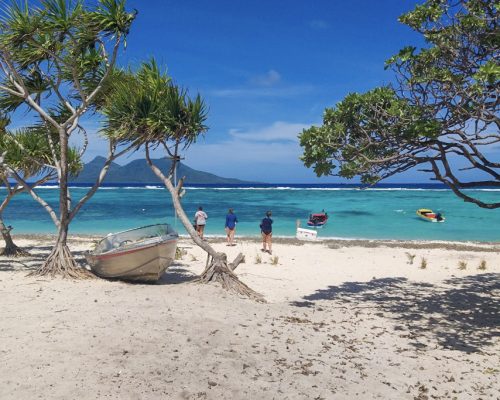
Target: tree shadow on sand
point(176, 274)
point(38, 249)
point(36, 258)
point(19, 264)
point(462, 314)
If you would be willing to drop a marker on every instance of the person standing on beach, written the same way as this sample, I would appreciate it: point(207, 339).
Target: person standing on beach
point(266, 228)
point(231, 221)
point(200, 220)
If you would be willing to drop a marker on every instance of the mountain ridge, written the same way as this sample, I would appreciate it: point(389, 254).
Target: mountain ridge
point(137, 171)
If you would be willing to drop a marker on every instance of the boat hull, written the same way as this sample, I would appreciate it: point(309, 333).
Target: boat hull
point(316, 225)
point(429, 216)
point(143, 264)
point(317, 220)
point(142, 254)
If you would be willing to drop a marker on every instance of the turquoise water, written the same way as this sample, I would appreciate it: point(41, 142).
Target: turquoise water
point(386, 213)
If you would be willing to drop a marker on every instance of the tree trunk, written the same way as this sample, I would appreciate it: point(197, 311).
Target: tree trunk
point(218, 270)
point(60, 260)
point(10, 249)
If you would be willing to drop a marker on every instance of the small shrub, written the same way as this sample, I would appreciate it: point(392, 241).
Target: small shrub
point(258, 259)
point(462, 264)
point(179, 253)
point(423, 263)
point(411, 257)
point(482, 265)
point(274, 260)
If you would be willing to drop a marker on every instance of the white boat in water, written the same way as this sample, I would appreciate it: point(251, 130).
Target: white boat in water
point(141, 254)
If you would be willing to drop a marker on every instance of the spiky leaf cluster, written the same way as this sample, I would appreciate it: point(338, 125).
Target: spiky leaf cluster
point(158, 111)
point(58, 49)
point(28, 152)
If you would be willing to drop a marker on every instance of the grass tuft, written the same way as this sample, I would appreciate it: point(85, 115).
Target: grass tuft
point(411, 257)
point(423, 263)
point(462, 265)
point(179, 253)
point(275, 260)
point(482, 265)
point(258, 259)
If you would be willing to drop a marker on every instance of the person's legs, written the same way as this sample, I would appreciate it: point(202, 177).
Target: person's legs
point(201, 229)
point(264, 241)
point(228, 235)
point(231, 236)
point(269, 239)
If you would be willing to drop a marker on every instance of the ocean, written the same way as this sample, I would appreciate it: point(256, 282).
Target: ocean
point(386, 211)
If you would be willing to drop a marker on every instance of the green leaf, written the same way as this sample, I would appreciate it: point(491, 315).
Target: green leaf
point(488, 73)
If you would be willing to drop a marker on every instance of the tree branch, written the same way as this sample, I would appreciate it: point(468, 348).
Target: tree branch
point(102, 174)
point(178, 206)
point(35, 196)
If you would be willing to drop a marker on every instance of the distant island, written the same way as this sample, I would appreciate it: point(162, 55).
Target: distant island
point(137, 171)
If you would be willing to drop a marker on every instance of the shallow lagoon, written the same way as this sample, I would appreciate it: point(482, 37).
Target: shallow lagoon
point(386, 212)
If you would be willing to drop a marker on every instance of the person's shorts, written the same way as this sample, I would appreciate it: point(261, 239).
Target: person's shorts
point(267, 233)
point(230, 229)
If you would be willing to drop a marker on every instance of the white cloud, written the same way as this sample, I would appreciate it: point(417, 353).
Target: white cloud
point(254, 161)
point(270, 78)
point(267, 154)
point(278, 131)
point(270, 153)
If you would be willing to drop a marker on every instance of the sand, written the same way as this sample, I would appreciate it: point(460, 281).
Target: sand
point(343, 320)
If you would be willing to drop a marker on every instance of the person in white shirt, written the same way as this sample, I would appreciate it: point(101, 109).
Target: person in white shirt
point(200, 220)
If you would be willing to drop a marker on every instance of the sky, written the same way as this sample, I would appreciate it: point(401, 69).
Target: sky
point(267, 70)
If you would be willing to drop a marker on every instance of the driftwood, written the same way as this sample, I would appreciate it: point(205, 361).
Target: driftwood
point(240, 258)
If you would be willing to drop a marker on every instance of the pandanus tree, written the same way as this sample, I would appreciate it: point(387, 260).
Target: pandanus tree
point(26, 156)
point(148, 111)
point(55, 60)
point(442, 114)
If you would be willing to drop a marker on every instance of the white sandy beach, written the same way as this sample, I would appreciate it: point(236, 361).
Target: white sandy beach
point(343, 320)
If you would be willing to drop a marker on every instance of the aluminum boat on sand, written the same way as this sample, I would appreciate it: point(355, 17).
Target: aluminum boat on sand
point(141, 254)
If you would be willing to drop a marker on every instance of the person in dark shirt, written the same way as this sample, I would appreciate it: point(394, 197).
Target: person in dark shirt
point(231, 220)
point(266, 228)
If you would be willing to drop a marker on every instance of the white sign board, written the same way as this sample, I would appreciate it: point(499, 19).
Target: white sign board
point(306, 234)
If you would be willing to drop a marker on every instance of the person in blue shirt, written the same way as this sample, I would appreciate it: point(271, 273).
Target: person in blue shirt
point(231, 220)
point(266, 228)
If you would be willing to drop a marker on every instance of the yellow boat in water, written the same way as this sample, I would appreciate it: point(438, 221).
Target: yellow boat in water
point(429, 215)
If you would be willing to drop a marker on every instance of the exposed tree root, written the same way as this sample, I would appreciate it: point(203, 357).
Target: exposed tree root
point(219, 271)
point(13, 251)
point(10, 249)
point(61, 262)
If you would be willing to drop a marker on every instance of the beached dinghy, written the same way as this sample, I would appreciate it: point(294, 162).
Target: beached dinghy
point(141, 254)
point(429, 215)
